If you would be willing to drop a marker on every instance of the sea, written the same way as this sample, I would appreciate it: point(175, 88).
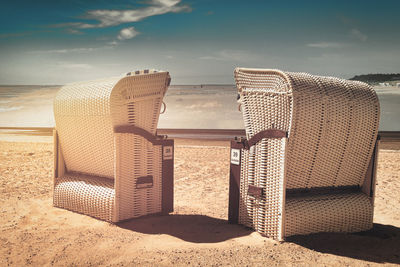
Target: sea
point(187, 107)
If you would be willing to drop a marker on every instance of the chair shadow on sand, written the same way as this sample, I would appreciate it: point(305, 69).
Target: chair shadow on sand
point(190, 228)
point(381, 244)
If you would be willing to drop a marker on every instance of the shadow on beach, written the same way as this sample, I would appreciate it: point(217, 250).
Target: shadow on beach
point(381, 244)
point(190, 228)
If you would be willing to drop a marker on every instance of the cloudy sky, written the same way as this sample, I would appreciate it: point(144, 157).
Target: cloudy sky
point(198, 41)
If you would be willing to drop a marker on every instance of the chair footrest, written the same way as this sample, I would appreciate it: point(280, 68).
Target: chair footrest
point(342, 212)
point(90, 195)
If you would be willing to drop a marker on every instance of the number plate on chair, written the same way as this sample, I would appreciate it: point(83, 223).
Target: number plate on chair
point(168, 152)
point(235, 156)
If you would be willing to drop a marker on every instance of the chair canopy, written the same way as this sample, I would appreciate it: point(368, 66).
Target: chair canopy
point(332, 123)
point(87, 112)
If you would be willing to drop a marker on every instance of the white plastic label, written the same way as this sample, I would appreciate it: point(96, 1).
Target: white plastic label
point(235, 156)
point(167, 152)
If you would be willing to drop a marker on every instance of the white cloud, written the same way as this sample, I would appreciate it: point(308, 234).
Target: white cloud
point(8, 109)
point(211, 58)
point(164, 2)
point(231, 55)
point(326, 45)
point(127, 33)
point(355, 33)
point(64, 51)
point(107, 18)
point(74, 31)
point(112, 44)
point(69, 65)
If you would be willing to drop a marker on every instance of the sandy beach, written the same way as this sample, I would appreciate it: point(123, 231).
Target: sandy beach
point(308, 83)
point(197, 233)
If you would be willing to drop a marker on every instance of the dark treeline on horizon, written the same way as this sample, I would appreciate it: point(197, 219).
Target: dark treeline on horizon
point(376, 78)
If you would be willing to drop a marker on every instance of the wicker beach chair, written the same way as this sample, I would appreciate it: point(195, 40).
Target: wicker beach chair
point(307, 164)
point(109, 162)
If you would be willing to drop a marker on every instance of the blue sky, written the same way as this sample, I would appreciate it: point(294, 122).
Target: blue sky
point(56, 42)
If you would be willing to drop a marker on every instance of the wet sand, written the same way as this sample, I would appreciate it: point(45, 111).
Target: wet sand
point(32, 232)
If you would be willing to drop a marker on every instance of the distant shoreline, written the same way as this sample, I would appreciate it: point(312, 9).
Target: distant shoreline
point(209, 134)
point(31, 131)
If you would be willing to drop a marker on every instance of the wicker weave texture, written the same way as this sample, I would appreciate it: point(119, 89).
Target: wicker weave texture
point(90, 195)
point(333, 132)
point(137, 99)
point(83, 122)
point(332, 126)
point(266, 170)
point(86, 114)
point(328, 213)
point(132, 163)
point(332, 123)
point(264, 108)
point(246, 202)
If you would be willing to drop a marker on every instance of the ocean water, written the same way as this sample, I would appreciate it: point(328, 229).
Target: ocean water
point(188, 106)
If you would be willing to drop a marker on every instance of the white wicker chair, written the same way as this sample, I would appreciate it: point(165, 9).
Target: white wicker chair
point(109, 162)
point(308, 164)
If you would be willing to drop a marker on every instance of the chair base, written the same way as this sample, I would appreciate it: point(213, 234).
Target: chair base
point(89, 195)
point(342, 209)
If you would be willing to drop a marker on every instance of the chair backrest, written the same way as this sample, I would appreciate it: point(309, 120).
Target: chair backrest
point(332, 123)
point(87, 112)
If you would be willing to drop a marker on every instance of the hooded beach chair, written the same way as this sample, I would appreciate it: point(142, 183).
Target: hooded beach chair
point(308, 161)
point(109, 162)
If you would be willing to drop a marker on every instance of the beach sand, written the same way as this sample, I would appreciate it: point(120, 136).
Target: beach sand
point(33, 232)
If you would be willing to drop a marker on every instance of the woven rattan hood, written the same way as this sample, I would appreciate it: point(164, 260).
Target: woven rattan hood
point(332, 123)
point(87, 112)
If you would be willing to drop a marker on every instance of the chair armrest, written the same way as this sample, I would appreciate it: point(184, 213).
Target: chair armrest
point(131, 129)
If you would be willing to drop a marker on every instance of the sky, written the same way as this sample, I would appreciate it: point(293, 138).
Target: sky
point(198, 42)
